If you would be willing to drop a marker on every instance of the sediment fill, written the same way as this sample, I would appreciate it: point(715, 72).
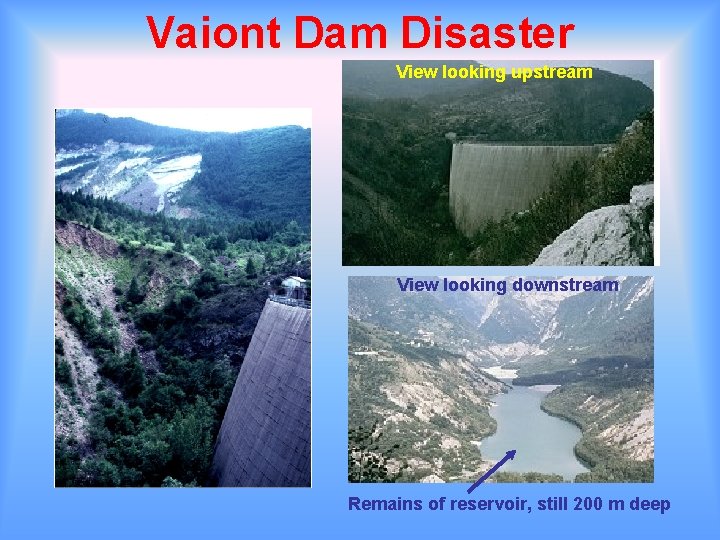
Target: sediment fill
point(489, 180)
point(264, 439)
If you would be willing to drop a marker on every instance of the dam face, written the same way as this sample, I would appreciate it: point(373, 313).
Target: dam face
point(489, 180)
point(264, 439)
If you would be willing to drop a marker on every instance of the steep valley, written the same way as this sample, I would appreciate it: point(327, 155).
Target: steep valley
point(426, 368)
point(149, 338)
point(157, 300)
point(552, 154)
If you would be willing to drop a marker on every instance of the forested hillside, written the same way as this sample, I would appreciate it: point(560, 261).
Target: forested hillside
point(78, 129)
point(414, 409)
point(261, 174)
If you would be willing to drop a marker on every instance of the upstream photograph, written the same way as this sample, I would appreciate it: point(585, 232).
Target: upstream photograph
point(444, 380)
point(182, 298)
point(464, 163)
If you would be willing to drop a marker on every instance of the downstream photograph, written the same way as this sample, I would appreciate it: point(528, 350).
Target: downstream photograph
point(182, 298)
point(490, 169)
point(446, 375)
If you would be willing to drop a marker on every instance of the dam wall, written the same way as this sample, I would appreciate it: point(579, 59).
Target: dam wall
point(489, 180)
point(264, 438)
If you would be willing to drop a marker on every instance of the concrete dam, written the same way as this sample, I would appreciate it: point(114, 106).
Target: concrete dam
point(488, 180)
point(264, 438)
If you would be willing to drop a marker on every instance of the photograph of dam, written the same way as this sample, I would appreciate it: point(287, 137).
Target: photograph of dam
point(182, 298)
point(443, 382)
point(482, 172)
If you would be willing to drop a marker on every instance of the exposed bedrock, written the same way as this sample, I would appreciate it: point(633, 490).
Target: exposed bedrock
point(489, 180)
point(613, 235)
point(264, 439)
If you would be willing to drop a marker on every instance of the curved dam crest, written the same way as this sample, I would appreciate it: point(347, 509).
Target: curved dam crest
point(489, 180)
point(264, 438)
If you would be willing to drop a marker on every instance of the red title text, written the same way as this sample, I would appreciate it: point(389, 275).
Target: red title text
point(309, 32)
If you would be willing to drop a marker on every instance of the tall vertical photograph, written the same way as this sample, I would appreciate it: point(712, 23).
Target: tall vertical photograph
point(463, 163)
point(182, 298)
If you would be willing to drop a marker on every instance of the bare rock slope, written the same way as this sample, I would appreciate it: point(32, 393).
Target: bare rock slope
point(619, 235)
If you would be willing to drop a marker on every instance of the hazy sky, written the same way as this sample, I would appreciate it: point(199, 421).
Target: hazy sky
point(641, 70)
point(216, 119)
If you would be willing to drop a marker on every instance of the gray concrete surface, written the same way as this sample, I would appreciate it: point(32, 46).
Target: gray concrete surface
point(489, 180)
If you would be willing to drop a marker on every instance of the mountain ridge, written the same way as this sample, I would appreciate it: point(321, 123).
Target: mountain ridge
point(259, 174)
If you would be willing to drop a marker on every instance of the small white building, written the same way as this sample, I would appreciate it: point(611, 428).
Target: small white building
point(295, 287)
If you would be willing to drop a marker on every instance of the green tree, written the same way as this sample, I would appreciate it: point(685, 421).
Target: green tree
point(98, 223)
point(367, 461)
point(134, 375)
point(63, 375)
point(206, 284)
point(191, 441)
point(171, 482)
point(269, 259)
point(134, 294)
point(217, 242)
point(98, 471)
point(67, 462)
point(106, 318)
point(250, 270)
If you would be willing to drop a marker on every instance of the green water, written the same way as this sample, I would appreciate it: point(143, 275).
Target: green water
point(544, 443)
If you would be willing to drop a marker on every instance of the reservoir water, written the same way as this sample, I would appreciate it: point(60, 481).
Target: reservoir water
point(544, 443)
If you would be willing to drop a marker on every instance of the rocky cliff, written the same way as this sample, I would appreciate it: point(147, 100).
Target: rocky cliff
point(613, 235)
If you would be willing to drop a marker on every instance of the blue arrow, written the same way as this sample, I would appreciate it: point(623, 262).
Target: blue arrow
point(510, 454)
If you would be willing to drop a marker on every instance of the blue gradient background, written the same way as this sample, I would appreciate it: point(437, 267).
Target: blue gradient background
point(35, 41)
